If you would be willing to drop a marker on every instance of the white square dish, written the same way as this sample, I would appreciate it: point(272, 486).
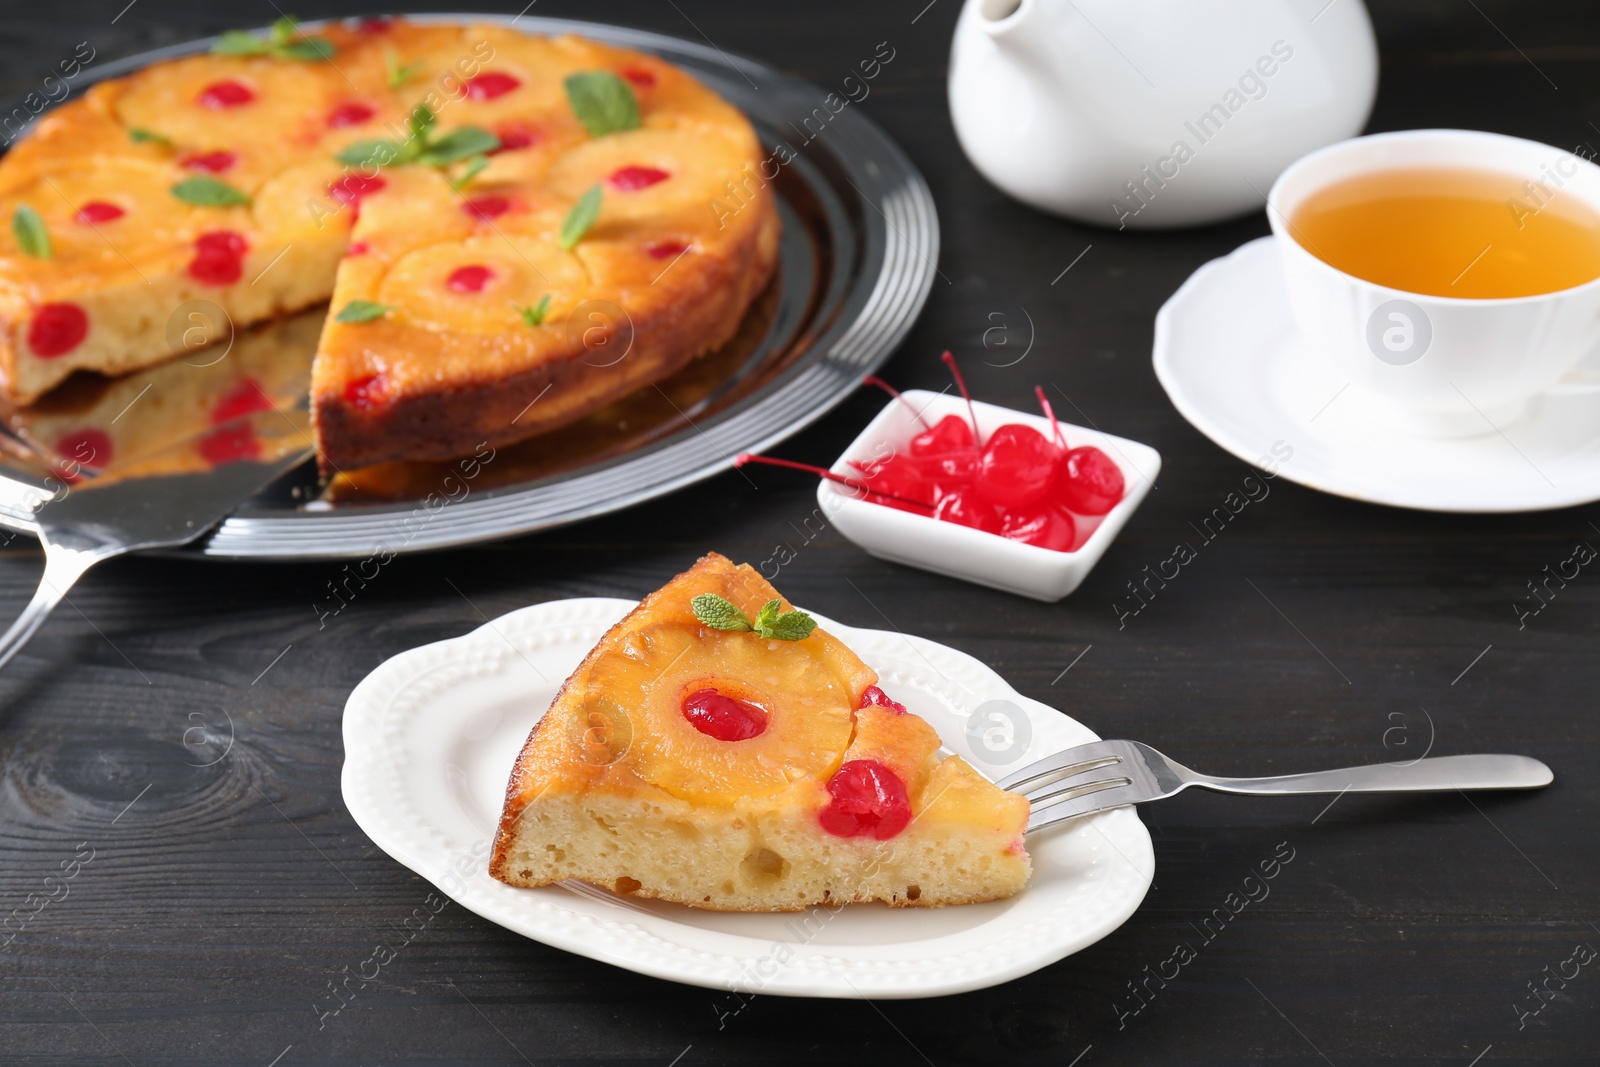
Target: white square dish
point(961, 551)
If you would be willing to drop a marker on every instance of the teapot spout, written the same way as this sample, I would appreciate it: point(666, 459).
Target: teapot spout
point(1003, 19)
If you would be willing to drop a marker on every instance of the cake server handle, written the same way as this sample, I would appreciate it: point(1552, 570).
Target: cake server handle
point(63, 566)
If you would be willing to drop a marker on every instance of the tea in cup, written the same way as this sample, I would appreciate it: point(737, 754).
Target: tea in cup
point(1451, 276)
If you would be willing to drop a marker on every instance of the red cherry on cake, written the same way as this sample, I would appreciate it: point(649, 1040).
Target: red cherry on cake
point(490, 85)
point(218, 257)
point(950, 434)
point(353, 188)
point(243, 399)
point(866, 799)
point(367, 391)
point(634, 177)
point(644, 79)
point(97, 211)
point(486, 207)
point(221, 95)
point(514, 136)
point(873, 697)
point(665, 249)
point(353, 113)
point(210, 162)
point(57, 329)
point(723, 717)
point(469, 279)
point(1018, 465)
point(229, 444)
point(1090, 482)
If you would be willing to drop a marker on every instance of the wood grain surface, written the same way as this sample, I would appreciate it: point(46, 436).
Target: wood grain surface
point(192, 888)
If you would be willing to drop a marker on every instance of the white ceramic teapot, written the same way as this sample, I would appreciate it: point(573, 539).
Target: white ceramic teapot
point(1152, 113)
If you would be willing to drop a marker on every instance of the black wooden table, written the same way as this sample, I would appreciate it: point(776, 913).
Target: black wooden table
point(212, 907)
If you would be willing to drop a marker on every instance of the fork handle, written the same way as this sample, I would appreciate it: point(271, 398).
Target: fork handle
point(1435, 773)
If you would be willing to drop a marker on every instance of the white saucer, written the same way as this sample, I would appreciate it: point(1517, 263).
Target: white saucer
point(1229, 356)
point(431, 735)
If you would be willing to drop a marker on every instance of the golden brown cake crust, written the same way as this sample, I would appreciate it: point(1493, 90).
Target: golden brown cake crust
point(446, 418)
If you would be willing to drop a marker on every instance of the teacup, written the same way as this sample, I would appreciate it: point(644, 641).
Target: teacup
point(1430, 365)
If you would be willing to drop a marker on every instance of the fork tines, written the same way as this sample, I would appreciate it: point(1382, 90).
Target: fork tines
point(1070, 776)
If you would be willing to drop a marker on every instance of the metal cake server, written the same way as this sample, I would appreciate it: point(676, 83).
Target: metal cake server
point(154, 503)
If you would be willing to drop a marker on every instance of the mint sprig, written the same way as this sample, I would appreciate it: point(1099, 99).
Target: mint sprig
point(394, 73)
point(209, 192)
point(580, 218)
point(32, 236)
point(535, 315)
point(282, 42)
point(602, 101)
point(362, 311)
point(473, 168)
point(421, 146)
point(771, 622)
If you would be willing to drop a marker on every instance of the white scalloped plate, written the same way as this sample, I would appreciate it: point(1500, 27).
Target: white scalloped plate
point(431, 735)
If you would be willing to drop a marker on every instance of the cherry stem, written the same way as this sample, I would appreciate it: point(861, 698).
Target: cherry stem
point(874, 380)
point(1049, 413)
point(855, 483)
point(961, 383)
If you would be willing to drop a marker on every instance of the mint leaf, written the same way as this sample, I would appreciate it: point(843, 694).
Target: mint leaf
point(394, 73)
point(283, 29)
point(281, 43)
point(458, 145)
point(790, 626)
point(307, 50)
point(421, 120)
point(535, 315)
point(602, 101)
point(239, 43)
point(773, 623)
point(138, 136)
point(209, 192)
point(768, 614)
point(582, 216)
point(378, 152)
point(719, 613)
point(362, 311)
point(473, 168)
point(31, 234)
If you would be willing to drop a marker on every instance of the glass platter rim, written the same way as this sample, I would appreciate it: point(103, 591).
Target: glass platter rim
point(898, 242)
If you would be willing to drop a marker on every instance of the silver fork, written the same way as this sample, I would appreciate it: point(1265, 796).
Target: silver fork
point(1111, 774)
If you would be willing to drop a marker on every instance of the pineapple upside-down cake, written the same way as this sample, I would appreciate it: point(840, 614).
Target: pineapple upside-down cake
point(719, 750)
point(513, 230)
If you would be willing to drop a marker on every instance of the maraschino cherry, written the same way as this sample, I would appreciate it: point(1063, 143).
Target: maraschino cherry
point(1017, 483)
point(723, 717)
point(866, 799)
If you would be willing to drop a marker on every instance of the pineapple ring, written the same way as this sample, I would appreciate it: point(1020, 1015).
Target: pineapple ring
point(522, 272)
point(701, 166)
point(158, 221)
point(809, 711)
point(286, 110)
